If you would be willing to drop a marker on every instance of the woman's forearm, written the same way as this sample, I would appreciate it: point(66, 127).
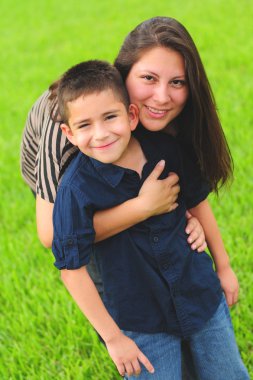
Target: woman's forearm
point(44, 221)
point(205, 216)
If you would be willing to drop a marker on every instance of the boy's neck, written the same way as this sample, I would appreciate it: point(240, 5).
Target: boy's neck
point(134, 157)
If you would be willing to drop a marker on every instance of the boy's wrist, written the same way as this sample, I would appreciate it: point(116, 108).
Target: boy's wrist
point(141, 207)
point(112, 336)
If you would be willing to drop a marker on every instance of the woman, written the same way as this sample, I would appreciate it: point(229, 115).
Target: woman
point(46, 152)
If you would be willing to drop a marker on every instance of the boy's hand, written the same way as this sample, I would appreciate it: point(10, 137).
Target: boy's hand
point(127, 356)
point(229, 284)
point(196, 233)
point(159, 196)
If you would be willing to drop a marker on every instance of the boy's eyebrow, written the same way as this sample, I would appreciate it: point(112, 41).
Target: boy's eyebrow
point(83, 121)
point(111, 111)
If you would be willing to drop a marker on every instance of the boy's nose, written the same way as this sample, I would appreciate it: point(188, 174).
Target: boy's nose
point(101, 131)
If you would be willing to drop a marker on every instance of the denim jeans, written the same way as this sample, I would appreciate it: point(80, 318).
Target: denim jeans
point(213, 350)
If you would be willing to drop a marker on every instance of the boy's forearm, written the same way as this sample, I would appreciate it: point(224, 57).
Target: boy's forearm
point(204, 214)
point(112, 221)
point(85, 294)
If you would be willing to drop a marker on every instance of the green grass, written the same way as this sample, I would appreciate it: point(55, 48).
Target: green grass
point(43, 335)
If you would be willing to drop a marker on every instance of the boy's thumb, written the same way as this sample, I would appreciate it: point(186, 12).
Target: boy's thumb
point(158, 169)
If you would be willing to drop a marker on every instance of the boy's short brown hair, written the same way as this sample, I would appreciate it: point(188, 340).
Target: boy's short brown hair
point(86, 78)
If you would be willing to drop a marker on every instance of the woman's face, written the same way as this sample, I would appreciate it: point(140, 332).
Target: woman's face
point(157, 84)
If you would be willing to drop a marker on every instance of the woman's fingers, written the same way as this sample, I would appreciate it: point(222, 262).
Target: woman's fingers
point(196, 234)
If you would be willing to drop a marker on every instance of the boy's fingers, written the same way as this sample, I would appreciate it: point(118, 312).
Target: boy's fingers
point(136, 367)
point(157, 171)
point(144, 360)
point(129, 368)
point(173, 207)
point(121, 369)
point(172, 179)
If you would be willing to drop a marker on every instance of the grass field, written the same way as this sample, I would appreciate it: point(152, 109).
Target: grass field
point(42, 333)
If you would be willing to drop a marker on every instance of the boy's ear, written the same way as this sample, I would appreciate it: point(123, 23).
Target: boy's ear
point(133, 113)
point(66, 130)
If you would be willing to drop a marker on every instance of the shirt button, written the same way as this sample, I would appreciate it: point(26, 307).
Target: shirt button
point(165, 266)
point(156, 239)
point(69, 241)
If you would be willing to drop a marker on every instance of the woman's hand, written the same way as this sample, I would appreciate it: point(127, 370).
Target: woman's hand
point(159, 196)
point(127, 356)
point(196, 233)
point(229, 284)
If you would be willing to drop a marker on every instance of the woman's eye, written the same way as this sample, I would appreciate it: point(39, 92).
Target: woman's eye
point(148, 78)
point(178, 83)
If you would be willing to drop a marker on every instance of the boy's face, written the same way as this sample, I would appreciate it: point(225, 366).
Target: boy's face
point(100, 125)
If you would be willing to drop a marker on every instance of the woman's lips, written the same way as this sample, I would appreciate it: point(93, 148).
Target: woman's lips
point(156, 113)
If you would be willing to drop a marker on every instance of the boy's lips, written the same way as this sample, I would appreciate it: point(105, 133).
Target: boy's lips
point(100, 147)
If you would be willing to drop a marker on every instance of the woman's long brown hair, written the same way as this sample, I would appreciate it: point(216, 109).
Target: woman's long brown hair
point(198, 126)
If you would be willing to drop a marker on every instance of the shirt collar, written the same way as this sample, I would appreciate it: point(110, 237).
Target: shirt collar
point(112, 174)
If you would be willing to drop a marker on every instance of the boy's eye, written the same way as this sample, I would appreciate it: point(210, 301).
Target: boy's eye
point(83, 125)
point(109, 117)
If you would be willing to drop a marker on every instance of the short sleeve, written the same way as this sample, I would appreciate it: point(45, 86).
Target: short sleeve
point(73, 229)
point(194, 187)
point(55, 151)
point(45, 150)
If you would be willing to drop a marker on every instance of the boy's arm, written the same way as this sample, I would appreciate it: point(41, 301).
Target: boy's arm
point(123, 351)
point(228, 279)
point(155, 197)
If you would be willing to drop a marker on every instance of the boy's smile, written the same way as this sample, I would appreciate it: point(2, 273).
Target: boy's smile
point(100, 125)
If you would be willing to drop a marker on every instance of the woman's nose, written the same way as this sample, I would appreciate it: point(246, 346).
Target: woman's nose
point(162, 94)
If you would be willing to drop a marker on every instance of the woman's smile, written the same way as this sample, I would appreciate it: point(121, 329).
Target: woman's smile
point(157, 84)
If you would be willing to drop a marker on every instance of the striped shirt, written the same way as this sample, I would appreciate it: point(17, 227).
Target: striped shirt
point(45, 151)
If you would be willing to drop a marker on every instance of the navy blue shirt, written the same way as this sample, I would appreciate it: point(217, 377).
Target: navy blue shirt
point(153, 281)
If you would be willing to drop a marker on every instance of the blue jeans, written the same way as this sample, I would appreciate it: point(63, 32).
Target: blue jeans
point(214, 351)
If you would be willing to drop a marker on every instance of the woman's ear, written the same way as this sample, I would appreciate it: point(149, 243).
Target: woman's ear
point(133, 113)
point(66, 130)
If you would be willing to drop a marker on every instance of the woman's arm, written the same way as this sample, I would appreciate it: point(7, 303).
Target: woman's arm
point(228, 279)
point(123, 351)
point(44, 220)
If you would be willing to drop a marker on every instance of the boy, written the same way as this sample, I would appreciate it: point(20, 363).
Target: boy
point(154, 285)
